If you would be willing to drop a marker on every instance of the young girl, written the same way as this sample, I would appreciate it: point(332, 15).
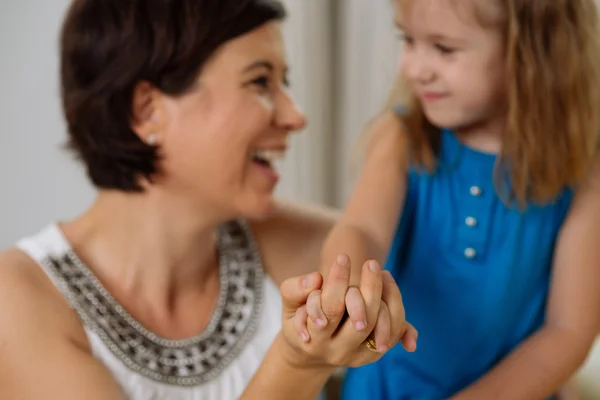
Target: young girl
point(486, 185)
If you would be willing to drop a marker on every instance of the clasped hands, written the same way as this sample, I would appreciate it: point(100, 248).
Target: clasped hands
point(330, 323)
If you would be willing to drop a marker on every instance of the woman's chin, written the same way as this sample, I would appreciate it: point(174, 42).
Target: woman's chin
point(258, 208)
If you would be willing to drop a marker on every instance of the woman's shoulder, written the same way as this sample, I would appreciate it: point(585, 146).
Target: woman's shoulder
point(31, 307)
point(290, 239)
point(42, 343)
point(300, 219)
point(22, 279)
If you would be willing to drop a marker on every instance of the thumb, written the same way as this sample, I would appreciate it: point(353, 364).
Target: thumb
point(294, 291)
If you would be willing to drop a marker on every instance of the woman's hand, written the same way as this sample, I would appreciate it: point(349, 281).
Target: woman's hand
point(326, 338)
point(298, 369)
point(383, 335)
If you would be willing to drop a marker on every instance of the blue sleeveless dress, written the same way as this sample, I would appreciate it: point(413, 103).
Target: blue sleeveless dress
point(474, 276)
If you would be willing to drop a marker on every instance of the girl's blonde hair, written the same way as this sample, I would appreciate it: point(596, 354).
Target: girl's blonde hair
point(553, 99)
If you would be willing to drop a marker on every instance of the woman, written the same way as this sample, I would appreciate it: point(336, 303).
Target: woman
point(161, 289)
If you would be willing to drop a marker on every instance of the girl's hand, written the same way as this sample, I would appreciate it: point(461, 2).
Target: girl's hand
point(383, 335)
point(337, 342)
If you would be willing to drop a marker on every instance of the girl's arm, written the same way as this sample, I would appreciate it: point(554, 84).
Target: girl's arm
point(545, 361)
point(366, 227)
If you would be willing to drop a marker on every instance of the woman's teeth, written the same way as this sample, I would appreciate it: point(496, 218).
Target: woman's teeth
point(267, 157)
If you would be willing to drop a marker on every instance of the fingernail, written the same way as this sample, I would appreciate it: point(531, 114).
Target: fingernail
point(360, 325)
point(307, 281)
point(321, 323)
point(412, 347)
point(382, 349)
point(304, 337)
point(374, 266)
point(342, 260)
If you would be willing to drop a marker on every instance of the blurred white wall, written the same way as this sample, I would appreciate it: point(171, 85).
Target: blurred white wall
point(39, 181)
point(309, 34)
point(366, 67)
point(342, 54)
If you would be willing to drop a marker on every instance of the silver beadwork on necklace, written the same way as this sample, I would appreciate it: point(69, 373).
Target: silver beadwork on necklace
point(186, 362)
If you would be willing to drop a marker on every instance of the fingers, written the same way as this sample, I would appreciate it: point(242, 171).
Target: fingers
point(371, 288)
point(399, 327)
point(334, 292)
point(295, 291)
point(374, 309)
point(393, 299)
point(382, 331)
point(409, 339)
point(313, 306)
point(356, 308)
point(317, 321)
point(300, 320)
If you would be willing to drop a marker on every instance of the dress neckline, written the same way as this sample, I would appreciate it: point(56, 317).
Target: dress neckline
point(184, 362)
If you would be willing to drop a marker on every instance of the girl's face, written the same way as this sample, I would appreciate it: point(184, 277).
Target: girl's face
point(452, 62)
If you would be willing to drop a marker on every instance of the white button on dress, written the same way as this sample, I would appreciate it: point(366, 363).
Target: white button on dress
point(475, 191)
point(470, 252)
point(470, 222)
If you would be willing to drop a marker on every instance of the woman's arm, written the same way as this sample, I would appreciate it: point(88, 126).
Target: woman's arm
point(284, 374)
point(545, 361)
point(284, 380)
point(293, 228)
point(43, 348)
point(366, 227)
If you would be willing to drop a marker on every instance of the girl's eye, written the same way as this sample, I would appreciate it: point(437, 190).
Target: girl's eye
point(444, 49)
point(406, 39)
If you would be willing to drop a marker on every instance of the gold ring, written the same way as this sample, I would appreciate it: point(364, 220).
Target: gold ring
point(371, 345)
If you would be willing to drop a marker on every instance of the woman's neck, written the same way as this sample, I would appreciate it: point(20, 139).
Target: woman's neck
point(148, 246)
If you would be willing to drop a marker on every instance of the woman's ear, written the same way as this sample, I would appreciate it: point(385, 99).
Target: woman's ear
point(147, 117)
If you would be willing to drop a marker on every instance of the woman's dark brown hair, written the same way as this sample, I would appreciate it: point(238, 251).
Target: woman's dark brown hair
point(109, 46)
point(553, 96)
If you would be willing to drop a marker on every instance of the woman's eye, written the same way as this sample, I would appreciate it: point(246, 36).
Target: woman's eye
point(262, 82)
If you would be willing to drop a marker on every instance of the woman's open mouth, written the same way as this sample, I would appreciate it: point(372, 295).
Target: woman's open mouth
point(267, 160)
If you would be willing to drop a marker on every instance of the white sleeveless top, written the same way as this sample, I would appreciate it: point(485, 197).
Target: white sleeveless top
point(214, 365)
